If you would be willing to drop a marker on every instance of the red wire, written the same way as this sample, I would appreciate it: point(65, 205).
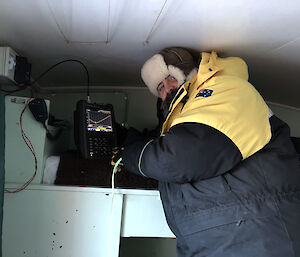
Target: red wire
point(30, 146)
point(22, 131)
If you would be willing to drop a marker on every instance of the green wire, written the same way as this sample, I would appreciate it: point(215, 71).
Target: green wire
point(113, 175)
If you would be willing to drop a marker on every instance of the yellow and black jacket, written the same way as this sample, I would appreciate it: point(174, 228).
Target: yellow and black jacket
point(220, 96)
point(228, 173)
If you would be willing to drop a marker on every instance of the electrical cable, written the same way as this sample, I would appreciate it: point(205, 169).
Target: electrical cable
point(21, 87)
point(31, 148)
point(49, 134)
point(68, 60)
point(113, 176)
point(112, 205)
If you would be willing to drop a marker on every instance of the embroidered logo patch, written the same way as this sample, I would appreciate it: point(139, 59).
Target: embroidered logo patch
point(204, 93)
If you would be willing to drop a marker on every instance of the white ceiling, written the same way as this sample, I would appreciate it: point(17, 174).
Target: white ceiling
point(114, 37)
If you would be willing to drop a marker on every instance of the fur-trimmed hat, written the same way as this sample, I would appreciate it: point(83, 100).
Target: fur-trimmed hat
point(174, 61)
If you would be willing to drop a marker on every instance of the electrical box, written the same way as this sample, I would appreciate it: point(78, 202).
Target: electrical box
point(19, 161)
point(7, 64)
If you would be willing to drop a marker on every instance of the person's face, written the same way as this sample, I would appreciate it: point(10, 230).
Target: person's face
point(166, 86)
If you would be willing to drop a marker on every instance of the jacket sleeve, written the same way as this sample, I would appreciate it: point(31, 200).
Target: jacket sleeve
point(188, 152)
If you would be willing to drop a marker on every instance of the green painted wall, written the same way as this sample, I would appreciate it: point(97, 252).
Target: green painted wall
point(290, 115)
point(147, 247)
point(2, 145)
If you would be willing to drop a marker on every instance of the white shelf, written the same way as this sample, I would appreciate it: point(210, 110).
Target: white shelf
point(86, 221)
point(46, 187)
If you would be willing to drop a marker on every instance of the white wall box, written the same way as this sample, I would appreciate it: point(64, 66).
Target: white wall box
point(7, 64)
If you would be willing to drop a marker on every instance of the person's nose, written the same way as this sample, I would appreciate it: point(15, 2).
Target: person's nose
point(167, 85)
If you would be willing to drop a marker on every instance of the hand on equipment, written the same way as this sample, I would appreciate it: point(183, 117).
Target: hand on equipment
point(117, 158)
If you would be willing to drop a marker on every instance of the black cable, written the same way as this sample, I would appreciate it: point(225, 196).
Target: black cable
point(49, 135)
point(13, 91)
point(53, 66)
point(69, 60)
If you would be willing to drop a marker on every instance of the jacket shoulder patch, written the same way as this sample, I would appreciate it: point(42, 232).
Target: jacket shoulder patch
point(204, 93)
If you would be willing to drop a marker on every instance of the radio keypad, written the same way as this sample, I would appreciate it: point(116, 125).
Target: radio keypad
point(100, 147)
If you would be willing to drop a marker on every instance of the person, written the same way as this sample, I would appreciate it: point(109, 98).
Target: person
point(228, 172)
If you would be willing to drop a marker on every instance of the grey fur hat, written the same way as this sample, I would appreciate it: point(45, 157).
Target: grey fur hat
point(175, 61)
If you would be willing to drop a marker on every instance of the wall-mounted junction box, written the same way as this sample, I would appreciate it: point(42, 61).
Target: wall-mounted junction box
point(19, 161)
point(7, 64)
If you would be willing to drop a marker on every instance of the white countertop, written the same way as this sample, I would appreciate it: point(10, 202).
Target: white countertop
point(90, 189)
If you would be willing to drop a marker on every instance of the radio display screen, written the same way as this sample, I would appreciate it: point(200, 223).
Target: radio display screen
point(99, 120)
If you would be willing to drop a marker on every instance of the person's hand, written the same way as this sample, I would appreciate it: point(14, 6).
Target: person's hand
point(117, 154)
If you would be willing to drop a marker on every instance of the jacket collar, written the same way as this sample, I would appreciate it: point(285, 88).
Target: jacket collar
point(208, 67)
point(181, 93)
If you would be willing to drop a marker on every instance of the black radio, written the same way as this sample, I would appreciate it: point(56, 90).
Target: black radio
point(94, 130)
